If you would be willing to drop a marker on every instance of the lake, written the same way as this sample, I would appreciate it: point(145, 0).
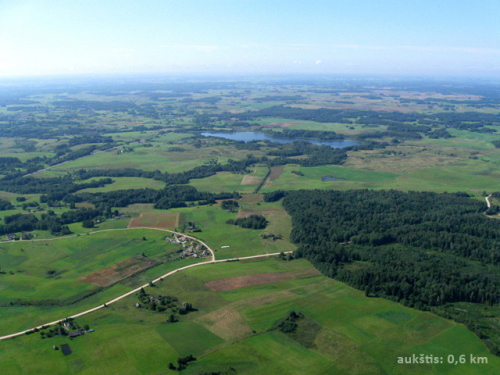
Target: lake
point(257, 136)
point(331, 178)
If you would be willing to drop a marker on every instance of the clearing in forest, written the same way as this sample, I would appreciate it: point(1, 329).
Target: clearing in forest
point(119, 271)
point(161, 220)
point(236, 282)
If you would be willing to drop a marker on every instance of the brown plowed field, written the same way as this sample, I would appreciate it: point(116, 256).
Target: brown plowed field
point(276, 172)
point(250, 180)
point(163, 220)
point(119, 271)
point(226, 322)
point(231, 283)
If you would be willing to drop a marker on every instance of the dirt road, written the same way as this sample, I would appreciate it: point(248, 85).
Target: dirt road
point(140, 287)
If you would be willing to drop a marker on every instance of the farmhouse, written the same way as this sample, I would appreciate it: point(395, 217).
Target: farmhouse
point(75, 334)
point(26, 236)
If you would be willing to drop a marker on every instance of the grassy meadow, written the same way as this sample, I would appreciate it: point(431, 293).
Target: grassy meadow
point(45, 271)
point(124, 183)
point(241, 242)
point(351, 334)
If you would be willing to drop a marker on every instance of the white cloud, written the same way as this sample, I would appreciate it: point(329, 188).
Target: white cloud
point(318, 62)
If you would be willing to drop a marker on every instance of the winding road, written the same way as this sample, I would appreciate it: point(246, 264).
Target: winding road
point(104, 305)
point(488, 200)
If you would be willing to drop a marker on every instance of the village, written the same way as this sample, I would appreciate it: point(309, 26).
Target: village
point(190, 247)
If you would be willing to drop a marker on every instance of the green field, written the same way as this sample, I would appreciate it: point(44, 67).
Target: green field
point(370, 332)
point(471, 176)
point(45, 269)
point(312, 178)
point(226, 181)
point(123, 183)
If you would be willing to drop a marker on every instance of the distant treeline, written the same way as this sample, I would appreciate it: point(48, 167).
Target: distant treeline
point(55, 187)
point(279, 98)
point(307, 134)
point(403, 125)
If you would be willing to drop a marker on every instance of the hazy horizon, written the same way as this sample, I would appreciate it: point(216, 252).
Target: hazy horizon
point(234, 38)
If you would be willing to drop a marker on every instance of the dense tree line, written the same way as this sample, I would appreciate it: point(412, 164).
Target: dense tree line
point(95, 105)
point(251, 222)
point(55, 188)
point(58, 187)
point(316, 155)
point(229, 204)
point(279, 98)
point(5, 205)
point(235, 166)
point(169, 197)
point(274, 196)
point(307, 134)
point(413, 123)
point(57, 225)
point(85, 139)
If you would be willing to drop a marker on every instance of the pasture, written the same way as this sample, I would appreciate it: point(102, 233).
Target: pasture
point(63, 271)
point(470, 175)
point(235, 328)
point(124, 183)
point(226, 181)
point(163, 220)
point(240, 241)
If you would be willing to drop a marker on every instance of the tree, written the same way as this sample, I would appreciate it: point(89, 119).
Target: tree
point(88, 223)
point(367, 291)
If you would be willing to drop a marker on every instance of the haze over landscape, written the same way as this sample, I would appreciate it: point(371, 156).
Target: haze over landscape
point(430, 38)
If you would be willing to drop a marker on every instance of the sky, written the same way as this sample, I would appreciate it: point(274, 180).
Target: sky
point(368, 37)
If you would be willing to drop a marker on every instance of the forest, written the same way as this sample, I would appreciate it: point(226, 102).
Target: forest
point(417, 248)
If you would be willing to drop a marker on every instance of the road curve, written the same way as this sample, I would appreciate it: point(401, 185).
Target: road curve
point(112, 230)
point(143, 286)
point(488, 201)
